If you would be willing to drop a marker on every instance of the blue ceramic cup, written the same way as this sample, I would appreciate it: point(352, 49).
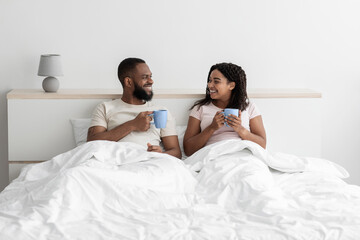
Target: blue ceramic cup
point(228, 111)
point(160, 118)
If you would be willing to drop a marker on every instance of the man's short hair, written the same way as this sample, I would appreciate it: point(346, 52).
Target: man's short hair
point(127, 67)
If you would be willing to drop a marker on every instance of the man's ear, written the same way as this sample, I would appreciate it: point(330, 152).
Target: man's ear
point(128, 82)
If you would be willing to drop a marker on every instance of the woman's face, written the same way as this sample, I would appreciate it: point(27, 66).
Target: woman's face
point(219, 86)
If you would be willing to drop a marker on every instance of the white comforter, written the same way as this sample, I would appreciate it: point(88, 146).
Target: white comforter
point(108, 190)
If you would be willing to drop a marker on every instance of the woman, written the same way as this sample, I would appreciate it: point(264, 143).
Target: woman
point(226, 88)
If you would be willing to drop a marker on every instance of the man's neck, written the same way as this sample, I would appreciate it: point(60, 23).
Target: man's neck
point(132, 100)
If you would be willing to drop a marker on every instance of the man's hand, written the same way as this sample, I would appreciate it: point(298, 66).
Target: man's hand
point(142, 121)
point(154, 148)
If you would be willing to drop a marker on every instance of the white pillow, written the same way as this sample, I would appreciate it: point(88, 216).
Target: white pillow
point(80, 128)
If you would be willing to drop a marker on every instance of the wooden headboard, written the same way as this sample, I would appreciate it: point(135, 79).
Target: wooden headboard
point(39, 125)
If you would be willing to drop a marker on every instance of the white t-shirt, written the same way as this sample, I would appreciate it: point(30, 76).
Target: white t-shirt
point(207, 112)
point(113, 113)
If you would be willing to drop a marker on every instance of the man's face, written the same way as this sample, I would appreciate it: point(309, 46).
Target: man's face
point(143, 82)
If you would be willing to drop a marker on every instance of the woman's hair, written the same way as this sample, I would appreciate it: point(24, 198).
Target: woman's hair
point(233, 73)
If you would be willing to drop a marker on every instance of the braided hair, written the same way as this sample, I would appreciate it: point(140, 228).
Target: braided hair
point(233, 73)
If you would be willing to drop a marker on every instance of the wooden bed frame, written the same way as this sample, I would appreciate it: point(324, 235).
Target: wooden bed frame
point(39, 125)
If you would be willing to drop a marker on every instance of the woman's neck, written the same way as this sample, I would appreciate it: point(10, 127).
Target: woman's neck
point(220, 104)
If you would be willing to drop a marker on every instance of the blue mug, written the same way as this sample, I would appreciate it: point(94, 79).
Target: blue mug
point(228, 111)
point(160, 118)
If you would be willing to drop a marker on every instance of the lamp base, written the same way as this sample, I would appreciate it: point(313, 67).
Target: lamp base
point(50, 84)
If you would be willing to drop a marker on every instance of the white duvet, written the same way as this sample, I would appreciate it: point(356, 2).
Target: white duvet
point(109, 190)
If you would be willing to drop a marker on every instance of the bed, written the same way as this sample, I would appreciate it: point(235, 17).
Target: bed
point(229, 190)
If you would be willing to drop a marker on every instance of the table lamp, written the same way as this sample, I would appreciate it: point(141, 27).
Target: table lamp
point(50, 66)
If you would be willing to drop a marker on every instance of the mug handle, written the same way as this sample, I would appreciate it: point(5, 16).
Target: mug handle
point(152, 115)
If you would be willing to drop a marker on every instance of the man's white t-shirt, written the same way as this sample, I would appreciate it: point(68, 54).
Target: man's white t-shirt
point(207, 112)
point(113, 113)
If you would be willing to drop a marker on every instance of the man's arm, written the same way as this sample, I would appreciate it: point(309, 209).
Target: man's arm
point(101, 133)
point(140, 123)
point(171, 146)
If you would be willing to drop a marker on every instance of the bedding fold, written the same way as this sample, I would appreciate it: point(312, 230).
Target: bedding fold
point(279, 161)
point(110, 190)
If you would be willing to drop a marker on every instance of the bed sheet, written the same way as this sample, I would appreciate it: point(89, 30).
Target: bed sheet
point(108, 190)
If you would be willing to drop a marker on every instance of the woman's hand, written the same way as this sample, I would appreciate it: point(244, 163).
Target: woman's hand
point(235, 122)
point(218, 120)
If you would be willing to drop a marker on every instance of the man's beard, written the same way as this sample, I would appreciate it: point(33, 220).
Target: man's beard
point(141, 94)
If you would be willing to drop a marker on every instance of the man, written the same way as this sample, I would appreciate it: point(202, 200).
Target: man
point(127, 119)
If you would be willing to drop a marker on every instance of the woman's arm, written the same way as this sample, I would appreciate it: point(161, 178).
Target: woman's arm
point(257, 132)
point(194, 138)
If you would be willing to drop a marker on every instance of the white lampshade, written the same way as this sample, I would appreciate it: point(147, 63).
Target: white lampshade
point(50, 65)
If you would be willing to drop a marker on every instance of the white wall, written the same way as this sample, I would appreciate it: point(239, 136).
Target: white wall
point(279, 43)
